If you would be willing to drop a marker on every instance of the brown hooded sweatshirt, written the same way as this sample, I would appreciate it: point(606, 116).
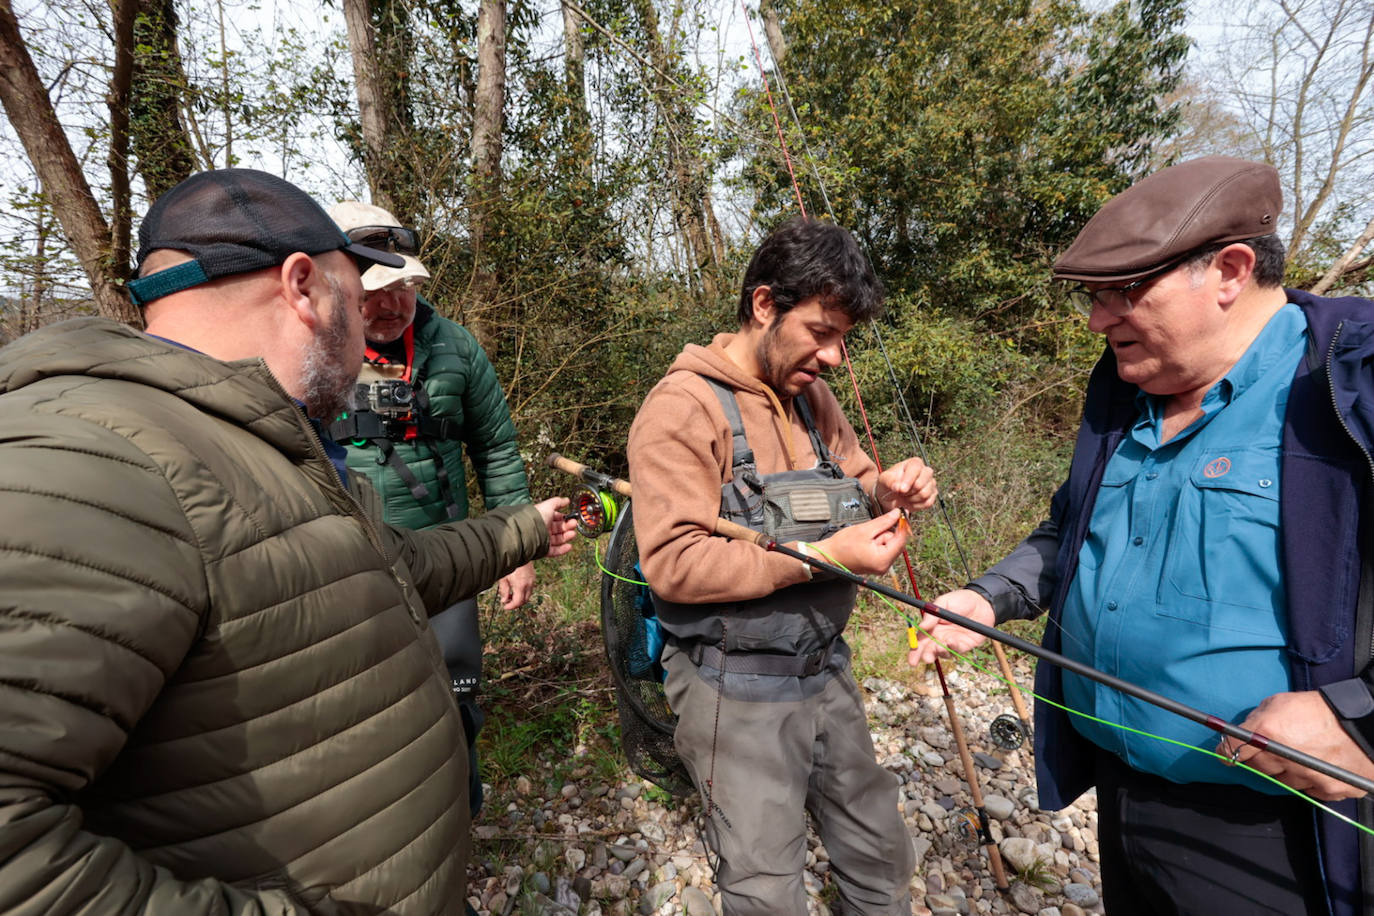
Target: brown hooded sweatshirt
point(680, 455)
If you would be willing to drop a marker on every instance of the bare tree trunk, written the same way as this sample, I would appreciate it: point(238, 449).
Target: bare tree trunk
point(575, 82)
point(772, 30)
point(691, 204)
point(117, 100)
point(31, 113)
point(1345, 261)
point(159, 140)
point(1305, 217)
point(487, 122)
point(374, 109)
point(32, 314)
point(224, 87)
point(574, 56)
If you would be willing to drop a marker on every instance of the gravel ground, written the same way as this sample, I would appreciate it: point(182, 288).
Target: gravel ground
point(617, 848)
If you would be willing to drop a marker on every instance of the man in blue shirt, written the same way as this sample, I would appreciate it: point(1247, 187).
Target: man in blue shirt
point(1207, 545)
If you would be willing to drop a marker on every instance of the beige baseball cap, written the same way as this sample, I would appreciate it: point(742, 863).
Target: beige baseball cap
point(361, 221)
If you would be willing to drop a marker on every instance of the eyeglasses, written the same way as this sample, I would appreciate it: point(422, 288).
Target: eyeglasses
point(1116, 300)
point(387, 238)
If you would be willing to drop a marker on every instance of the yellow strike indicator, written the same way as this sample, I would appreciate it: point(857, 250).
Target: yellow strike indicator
point(911, 639)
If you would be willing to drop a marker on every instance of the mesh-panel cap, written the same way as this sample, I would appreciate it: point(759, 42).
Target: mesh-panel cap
point(233, 221)
point(1172, 213)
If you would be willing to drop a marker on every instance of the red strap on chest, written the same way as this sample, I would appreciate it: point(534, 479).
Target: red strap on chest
point(372, 355)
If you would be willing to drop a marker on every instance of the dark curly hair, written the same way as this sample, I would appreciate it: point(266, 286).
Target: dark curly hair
point(806, 257)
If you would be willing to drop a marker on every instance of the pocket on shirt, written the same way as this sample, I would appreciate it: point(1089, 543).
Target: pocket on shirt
point(1222, 569)
point(1094, 549)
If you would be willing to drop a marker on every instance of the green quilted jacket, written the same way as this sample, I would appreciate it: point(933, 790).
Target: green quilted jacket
point(220, 692)
point(463, 389)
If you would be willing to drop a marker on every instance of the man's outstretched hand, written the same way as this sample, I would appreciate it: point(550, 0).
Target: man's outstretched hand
point(561, 530)
point(515, 589)
point(965, 602)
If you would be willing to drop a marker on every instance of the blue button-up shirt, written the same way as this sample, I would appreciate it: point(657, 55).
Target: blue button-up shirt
point(1178, 584)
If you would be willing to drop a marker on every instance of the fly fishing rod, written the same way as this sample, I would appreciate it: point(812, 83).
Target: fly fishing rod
point(731, 530)
point(594, 507)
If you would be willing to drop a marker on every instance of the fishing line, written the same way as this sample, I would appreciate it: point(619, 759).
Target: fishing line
point(1225, 761)
point(900, 399)
point(596, 549)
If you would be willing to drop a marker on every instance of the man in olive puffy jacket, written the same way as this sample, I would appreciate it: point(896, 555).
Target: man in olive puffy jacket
point(220, 694)
point(411, 446)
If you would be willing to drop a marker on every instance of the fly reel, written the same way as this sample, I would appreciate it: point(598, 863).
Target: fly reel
point(594, 510)
point(968, 825)
point(1007, 731)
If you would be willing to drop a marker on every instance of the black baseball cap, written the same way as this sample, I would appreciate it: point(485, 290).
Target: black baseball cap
point(233, 221)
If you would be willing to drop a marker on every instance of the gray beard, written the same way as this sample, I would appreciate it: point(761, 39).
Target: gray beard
point(326, 377)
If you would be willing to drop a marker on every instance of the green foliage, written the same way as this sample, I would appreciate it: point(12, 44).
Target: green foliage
point(159, 141)
point(965, 143)
point(1039, 872)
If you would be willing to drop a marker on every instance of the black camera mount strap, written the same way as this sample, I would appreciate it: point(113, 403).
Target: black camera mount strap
point(389, 457)
point(382, 433)
point(425, 421)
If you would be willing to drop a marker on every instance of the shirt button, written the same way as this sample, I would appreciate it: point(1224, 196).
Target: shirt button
point(1138, 541)
point(1151, 476)
point(1111, 605)
point(1266, 482)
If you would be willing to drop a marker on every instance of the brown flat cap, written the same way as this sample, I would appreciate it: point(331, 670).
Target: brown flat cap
point(1175, 211)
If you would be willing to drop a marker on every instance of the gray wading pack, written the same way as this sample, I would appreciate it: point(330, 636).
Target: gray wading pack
point(791, 631)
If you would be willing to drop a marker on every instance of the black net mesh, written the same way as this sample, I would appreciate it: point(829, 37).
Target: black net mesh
point(646, 722)
point(237, 220)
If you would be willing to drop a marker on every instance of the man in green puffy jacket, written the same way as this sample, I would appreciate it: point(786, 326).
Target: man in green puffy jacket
point(434, 396)
point(220, 694)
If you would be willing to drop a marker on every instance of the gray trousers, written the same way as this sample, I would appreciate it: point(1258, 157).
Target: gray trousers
point(783, 746)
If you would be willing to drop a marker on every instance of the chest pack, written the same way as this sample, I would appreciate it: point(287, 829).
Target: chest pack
point(798, 505)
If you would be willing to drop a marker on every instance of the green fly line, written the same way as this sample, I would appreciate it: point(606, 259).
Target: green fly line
point(596, 549)
point(1226, 761)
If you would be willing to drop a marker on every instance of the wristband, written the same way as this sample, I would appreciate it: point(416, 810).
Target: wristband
point(801, 549)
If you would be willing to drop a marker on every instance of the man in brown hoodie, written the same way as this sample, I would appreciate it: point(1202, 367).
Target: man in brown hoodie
point(770, 720)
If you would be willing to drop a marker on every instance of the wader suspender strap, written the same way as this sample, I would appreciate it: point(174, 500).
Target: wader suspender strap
point(823, 455)
point(743, 455)
point(743, 470)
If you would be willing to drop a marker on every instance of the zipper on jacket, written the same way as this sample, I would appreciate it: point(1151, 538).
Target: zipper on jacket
point(1331, 390)
point(354, 508)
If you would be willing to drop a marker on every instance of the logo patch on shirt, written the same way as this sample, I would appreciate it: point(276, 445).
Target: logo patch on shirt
point(1218, 467)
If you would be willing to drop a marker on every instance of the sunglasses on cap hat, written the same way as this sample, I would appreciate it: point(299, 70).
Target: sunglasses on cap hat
point(387, 238)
